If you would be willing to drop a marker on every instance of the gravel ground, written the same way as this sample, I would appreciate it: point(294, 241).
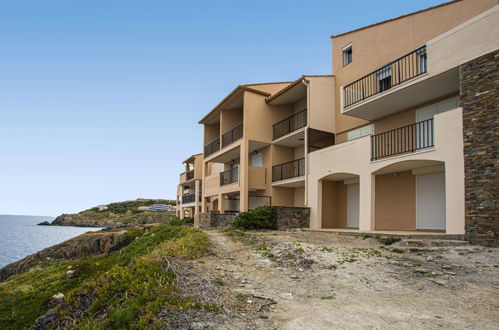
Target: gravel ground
point(314, 280)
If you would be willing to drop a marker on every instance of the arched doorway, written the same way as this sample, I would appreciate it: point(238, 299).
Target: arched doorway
point(340, 201)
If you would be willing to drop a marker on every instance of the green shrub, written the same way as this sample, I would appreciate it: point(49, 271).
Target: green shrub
point(263, 217)
point(182, 222)
point(388, 240)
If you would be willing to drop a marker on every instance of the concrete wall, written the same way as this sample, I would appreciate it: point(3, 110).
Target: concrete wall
point(396, 201)
point(479, 95)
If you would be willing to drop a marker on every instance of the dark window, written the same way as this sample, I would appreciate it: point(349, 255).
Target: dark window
point(347, 54)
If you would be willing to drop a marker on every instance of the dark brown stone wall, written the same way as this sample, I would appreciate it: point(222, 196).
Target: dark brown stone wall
point(287, 218)
point(479, 80)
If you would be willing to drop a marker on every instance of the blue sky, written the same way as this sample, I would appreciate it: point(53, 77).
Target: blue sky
point(94, 95)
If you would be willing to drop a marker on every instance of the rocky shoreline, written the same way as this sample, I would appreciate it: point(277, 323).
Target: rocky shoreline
point(85, 245)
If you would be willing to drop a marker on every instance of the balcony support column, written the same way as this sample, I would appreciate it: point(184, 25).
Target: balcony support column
point(196, 197)
point(244, 177)
point(221, 203)
point(367, 201)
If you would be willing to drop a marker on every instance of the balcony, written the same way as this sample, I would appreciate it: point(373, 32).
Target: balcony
point(288, 170)
point(290, 124)
point(189, 175)
point(188, 198)
point(410, 138)
point(401, 70)
point(212, 147)
point(232, 135)
point(229, 176)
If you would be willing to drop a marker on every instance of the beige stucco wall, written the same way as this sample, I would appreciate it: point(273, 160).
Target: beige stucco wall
point(472, 39)
point(378, 45)
point(299, 196)
point(355, 159)
point(395, 207)
point(321, 100)
point(282, 196)
point(211, 132)
point(230, 118)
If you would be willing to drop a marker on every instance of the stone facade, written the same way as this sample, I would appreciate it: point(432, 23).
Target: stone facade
point(292, 217)
point(479, 95)
point(215, 220)
point(287, 217)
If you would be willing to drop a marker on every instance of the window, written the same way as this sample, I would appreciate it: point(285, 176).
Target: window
point(384, 77)
point(360, 132)
point(347, 54)
point(257, 160)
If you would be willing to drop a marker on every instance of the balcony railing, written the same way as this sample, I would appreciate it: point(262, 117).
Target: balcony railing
point(190, 175)
point(232, 135)
point(386, 77)
point(402, 140)
point(290, 124)
point(188, 198)
point(212, 147)
point(292, 169)
point(229, 176)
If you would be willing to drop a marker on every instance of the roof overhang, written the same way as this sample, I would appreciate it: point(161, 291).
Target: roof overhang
point(231, 101)
point(291, 93)
point(191, 158)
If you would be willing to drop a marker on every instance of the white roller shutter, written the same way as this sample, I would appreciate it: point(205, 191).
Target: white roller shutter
point(430, 201)
point(353, 205)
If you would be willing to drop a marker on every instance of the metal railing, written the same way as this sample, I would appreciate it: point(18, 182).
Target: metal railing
point(290, 124)
point(189, 175)
point(288, 170)
point(386, 77)
point(188, 198)
point(232, 135)
point(229, 176)
point(401, 140)
point(212, 147)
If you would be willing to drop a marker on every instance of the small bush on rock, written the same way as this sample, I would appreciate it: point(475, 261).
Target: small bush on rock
point(263, 217)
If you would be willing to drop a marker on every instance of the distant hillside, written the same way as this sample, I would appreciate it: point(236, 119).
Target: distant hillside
point(124, 207)
point(117, 214)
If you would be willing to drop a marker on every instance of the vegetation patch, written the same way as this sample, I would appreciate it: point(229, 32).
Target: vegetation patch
point(263, 217)
point(124, 289)
point(388, 240)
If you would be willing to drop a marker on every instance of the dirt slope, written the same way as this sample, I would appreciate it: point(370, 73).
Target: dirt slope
point(328, 281)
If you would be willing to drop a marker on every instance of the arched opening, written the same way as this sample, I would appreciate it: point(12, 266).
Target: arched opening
point(410, 196)
point(340, 201)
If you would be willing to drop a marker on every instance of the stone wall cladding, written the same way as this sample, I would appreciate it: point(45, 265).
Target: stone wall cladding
point(215, 220)
point(292, 217)
point(479, 81)
point(287, 218)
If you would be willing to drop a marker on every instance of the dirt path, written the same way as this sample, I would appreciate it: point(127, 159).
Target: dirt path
point(328, 281)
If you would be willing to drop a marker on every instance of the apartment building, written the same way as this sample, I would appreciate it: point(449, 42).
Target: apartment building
point(257, 141)
point(400, 137)
point(398, 163)
point(189, 190)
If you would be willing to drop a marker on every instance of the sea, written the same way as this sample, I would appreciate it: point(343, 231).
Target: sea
point(20, 236)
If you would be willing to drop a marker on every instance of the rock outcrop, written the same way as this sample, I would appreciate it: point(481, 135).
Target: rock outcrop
point(89, 244)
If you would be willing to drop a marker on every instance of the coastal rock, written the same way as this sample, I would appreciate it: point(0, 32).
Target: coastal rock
point(89, 244)
point(44, 223)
